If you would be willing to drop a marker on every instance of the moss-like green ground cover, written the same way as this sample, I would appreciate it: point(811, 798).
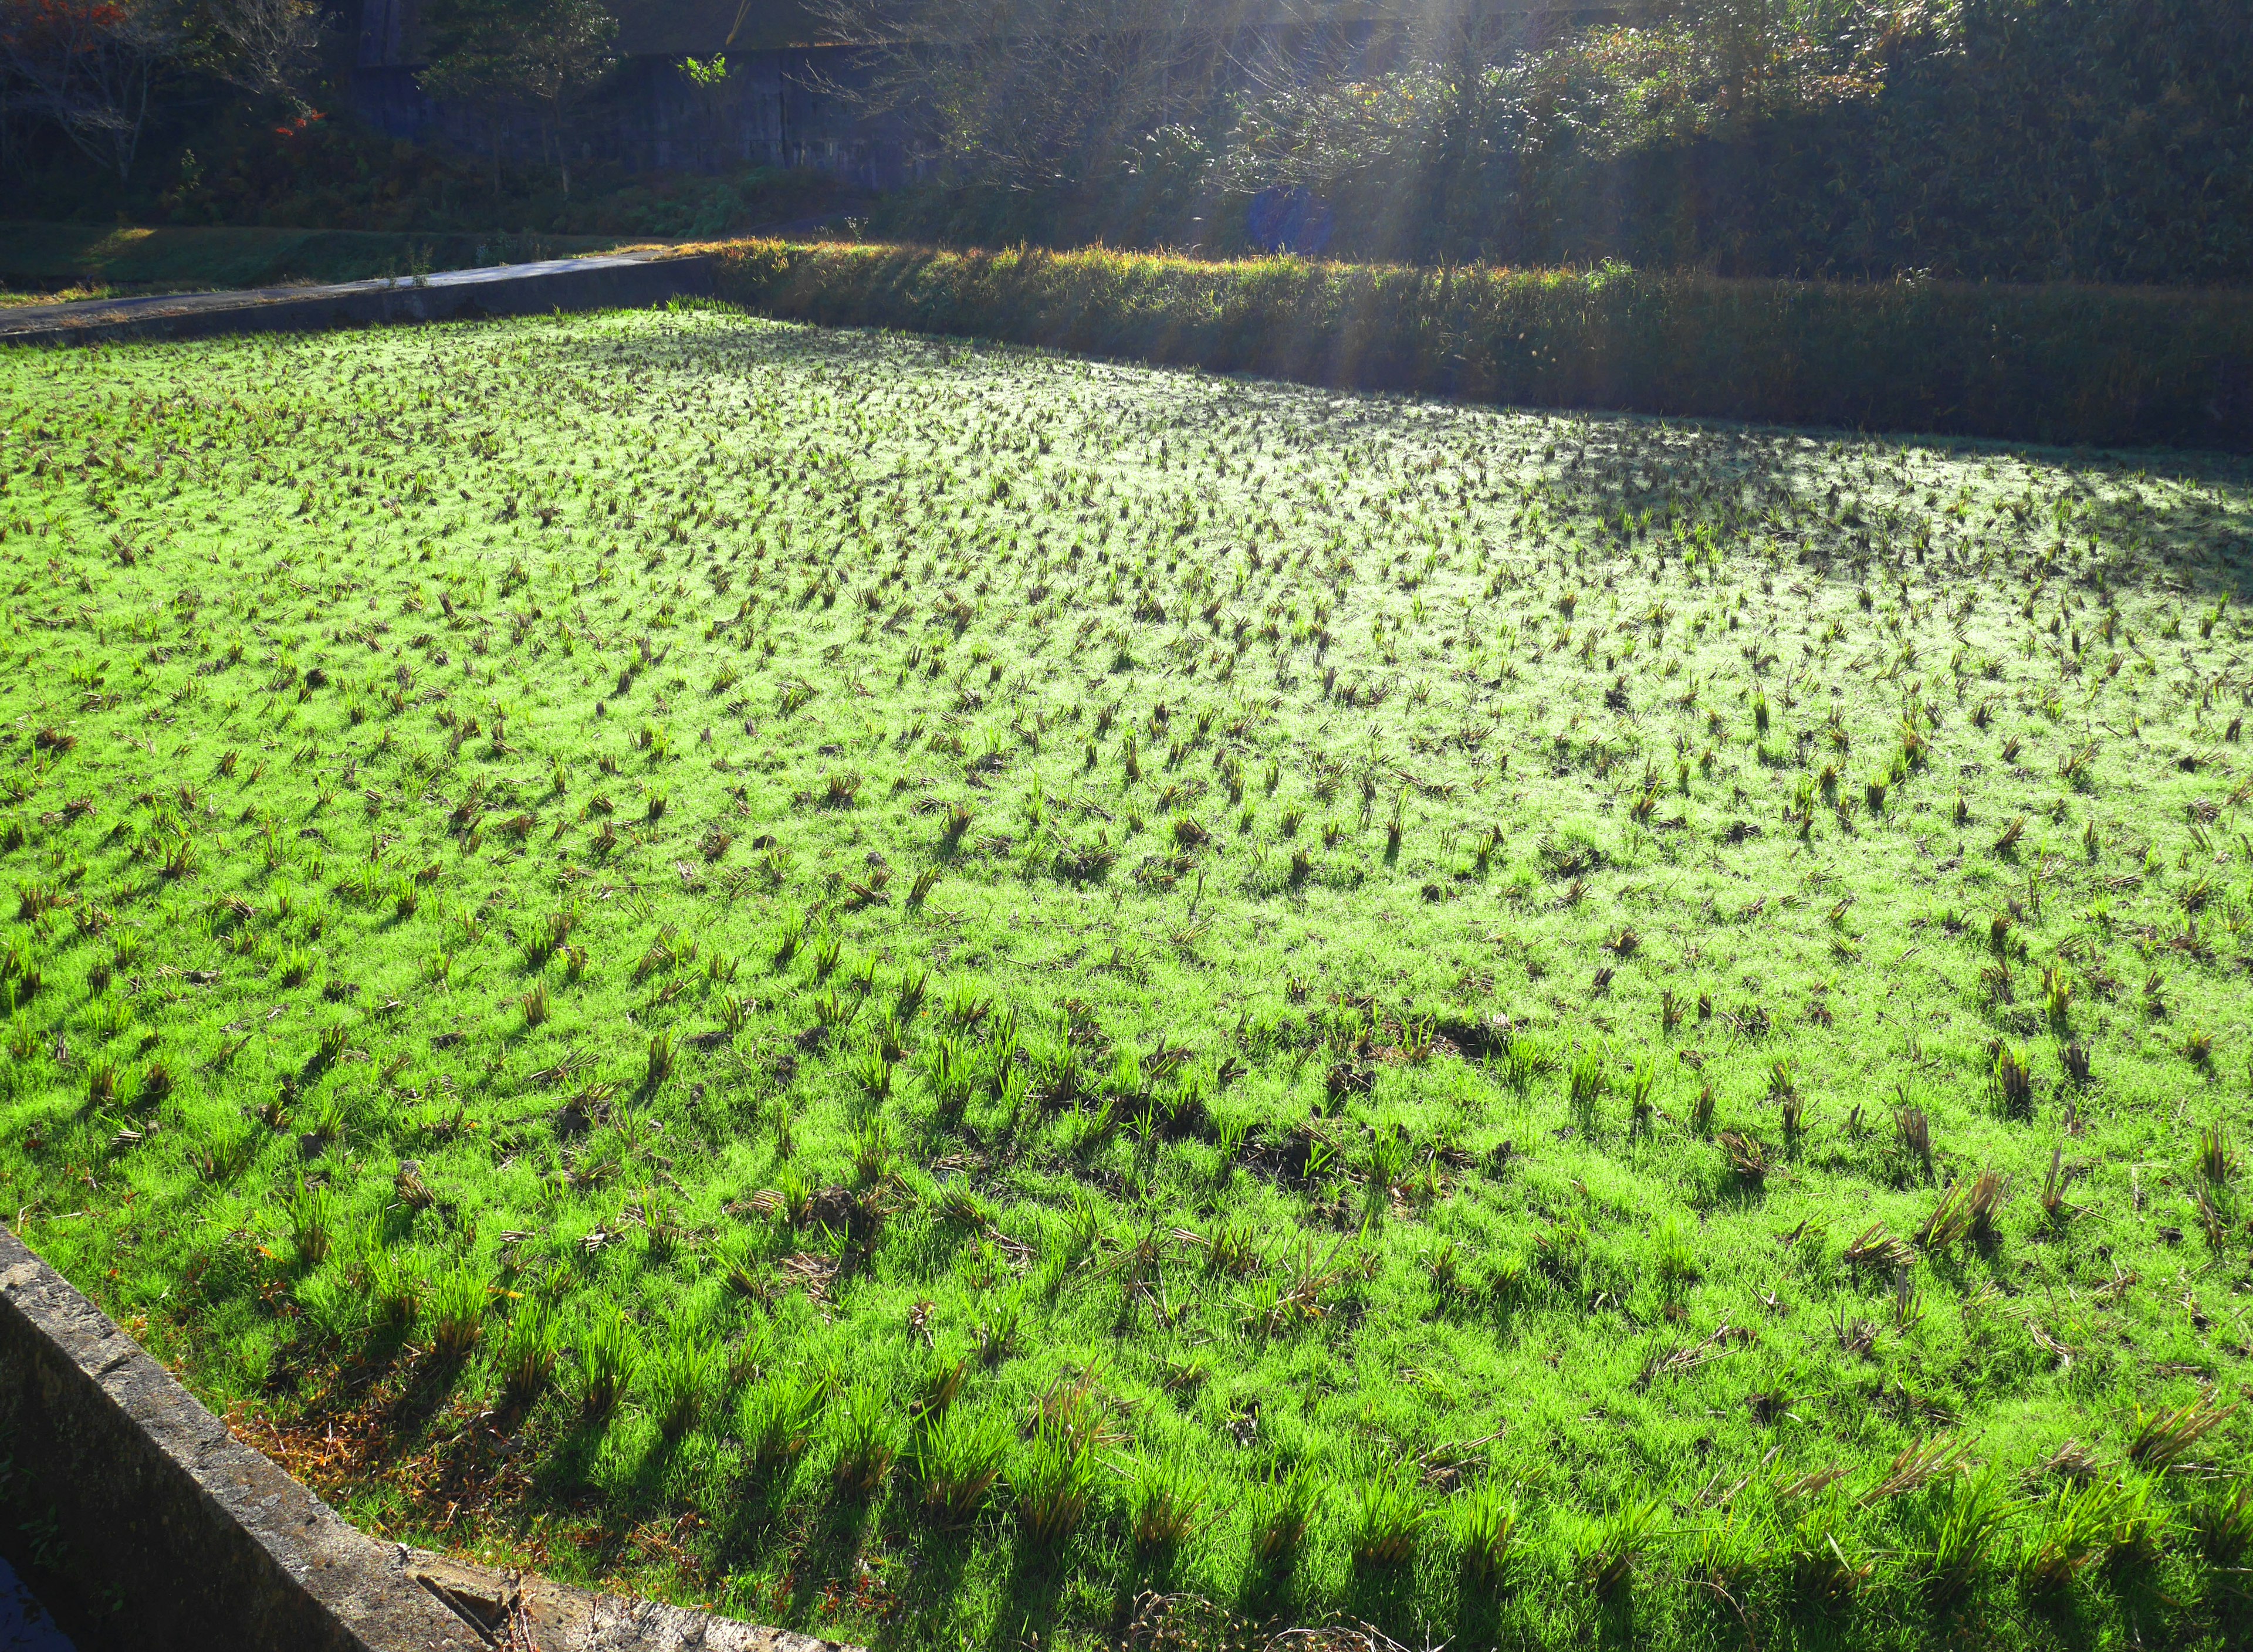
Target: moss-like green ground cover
point(912, 990)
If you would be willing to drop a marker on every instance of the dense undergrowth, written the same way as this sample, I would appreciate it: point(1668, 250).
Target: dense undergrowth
point(2088, 365)
point(1993, 140)
point(915, 988)
point(2097, 141)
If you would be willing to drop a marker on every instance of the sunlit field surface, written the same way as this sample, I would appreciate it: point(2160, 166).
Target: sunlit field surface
point(912, 990)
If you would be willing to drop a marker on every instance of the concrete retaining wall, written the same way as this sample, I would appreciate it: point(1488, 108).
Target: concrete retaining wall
point(155, 1528)
point(143, 1525)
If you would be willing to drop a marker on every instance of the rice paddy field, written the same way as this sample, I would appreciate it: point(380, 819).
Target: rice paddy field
point(957, 997)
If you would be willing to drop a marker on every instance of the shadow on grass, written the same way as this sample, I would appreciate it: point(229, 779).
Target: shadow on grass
point(1478, 1614)
point(566, 1470)
point(1385, 1596)
point(1615, 1622)
point(1033, 1594)
point(1270, 1593)
point(942, 1555)
point(430, 1385)
point(830, 1544)
point(2063, 1614)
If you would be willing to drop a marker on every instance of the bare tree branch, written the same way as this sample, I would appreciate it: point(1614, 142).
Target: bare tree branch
point(88, 66)
point(273, 47)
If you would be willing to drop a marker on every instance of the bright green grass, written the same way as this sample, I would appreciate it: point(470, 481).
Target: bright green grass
point(1288, 924)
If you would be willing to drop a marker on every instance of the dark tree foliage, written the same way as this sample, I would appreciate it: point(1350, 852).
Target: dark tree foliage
point(1038, 94)
point(2017, 140)
point(87, 68)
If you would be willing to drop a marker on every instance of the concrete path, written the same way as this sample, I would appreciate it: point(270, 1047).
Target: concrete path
point(608, 282)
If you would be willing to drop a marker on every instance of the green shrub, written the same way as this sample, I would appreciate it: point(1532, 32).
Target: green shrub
point(2109, 365)
point(2003, 140)
point(1996, 140)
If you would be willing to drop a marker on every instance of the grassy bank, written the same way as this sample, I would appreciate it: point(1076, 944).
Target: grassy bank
point(91, 259)
point(916, 989)
point(2108, 367)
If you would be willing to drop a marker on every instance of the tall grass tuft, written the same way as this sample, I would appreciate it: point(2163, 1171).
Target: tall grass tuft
point(527, 1352)
point(1053, 1484)
point(778, 1417)
point(957, 1458)
point(1166, 1504)
point(868, 1444)
point(312, 1212)
point(1389, 1518)
point(1282, 1514)
point(1965, 1516)
point(1486, 1525)
point(458, 1313)
point(609, 1355)
point(681, 1382)
point(1610, 1547)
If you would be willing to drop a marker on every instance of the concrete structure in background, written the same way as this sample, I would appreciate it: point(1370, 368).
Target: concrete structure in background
point(777, 108)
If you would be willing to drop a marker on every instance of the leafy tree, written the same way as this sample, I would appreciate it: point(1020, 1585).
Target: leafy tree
point(2016, 140)
point(1038, 93)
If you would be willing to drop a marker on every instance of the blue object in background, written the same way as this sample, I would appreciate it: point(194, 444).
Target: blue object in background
point(25, 1625)
point(1289, 220)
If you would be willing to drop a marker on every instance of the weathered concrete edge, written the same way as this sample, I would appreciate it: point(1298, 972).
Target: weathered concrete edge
point(157, 1529)
point(553, 1617)
point(615, 284)
point(166, 1531)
